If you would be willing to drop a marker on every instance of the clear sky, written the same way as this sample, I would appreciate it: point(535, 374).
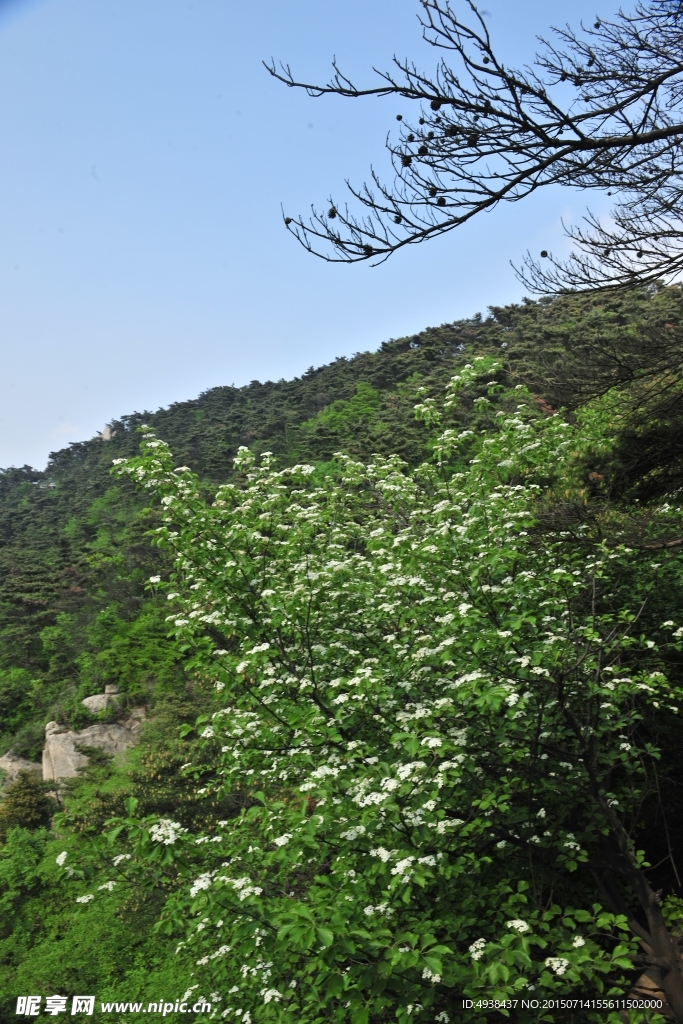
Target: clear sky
point(144, 156)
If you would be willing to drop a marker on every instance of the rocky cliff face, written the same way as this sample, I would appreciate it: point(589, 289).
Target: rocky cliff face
point(12, 765)
point(61, 757)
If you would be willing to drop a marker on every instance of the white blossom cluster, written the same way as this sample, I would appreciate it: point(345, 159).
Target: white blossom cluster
point(166, 831)
point(558, 964)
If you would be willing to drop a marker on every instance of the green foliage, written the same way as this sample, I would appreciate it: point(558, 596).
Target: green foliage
point(26, 803)
point(48, 945)
point(449, 717)
point(345, 416)
point(672, 911)
point(15, 701)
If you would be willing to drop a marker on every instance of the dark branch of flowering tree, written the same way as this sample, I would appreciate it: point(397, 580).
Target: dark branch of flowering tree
point(599, 109)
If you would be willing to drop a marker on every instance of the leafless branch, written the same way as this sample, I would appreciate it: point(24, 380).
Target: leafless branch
point(599, 109)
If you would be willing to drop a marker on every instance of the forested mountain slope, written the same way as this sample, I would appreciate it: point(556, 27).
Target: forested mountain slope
point(74, 558)
point(77, 610)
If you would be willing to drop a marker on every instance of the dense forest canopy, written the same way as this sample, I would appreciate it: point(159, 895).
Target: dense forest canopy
point(595, 492)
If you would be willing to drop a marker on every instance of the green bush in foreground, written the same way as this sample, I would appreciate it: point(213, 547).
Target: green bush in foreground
point(448, 714)
point(48, 945)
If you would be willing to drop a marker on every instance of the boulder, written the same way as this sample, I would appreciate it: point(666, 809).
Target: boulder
point(61, 759)
point(100, 701)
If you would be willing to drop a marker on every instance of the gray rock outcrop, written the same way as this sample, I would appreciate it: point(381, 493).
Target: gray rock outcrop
point(62, 759)
point(12, 765)
point(100, 701)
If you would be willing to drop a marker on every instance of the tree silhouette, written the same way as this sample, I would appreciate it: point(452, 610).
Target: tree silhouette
point(599, 109)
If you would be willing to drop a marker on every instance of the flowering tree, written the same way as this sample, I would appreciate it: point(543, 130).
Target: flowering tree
point(443, 719)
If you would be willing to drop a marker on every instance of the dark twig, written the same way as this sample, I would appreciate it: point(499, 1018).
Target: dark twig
point(600, 109)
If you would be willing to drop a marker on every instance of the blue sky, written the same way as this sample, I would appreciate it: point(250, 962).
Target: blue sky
point(145, 154)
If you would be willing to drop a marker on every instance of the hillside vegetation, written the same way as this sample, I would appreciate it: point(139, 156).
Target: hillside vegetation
point(77, 610)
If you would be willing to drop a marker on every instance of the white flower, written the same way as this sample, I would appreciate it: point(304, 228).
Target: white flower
point(369, 911)
point(557, 964)
point(541, 813)
point(283, 840)
point(448, 823)
point(85, 899)
point(383, 854)
point(203, 882)
point(121, 856)
point(434, 978)
point(518, 925)
point(477, 948)
point(578, 941)
point(353, 833)
point(270, 994)
point(431, 742)
point(155, 579)
point(166, 831)
point(390, 784)
point(402, 866)
point(61, 858)
point(107, 885)
point(207, 733)
point(405, 770)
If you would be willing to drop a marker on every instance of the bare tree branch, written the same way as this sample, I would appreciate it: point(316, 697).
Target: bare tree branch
point(600, 109)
